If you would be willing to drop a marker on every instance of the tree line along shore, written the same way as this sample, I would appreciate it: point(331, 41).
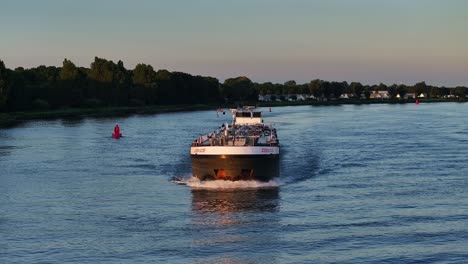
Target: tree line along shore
point(108, 88)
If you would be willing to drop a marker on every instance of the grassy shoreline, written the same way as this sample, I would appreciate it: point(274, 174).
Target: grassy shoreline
point(15, 118)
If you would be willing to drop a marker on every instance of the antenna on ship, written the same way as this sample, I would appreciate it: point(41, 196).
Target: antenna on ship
point(233, 111)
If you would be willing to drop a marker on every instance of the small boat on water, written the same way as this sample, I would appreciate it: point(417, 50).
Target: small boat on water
point(246, 149)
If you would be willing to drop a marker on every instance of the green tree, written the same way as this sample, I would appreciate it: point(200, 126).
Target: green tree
point(110, 82)
point(145, 87)
point(102, 70)
point(211, 87)
point(436, 92)
point(68, 72)
point(420, 88)
point(393, 91)
point(327, 89)
point(239, 88)
point(290, 83)
point(71, 88)
point(264, 88)
point(402, 90)
point(333, 89)
point(122, 83)
point(357, 88)
point(3, 86)
point(166, 88)
point(338, 88)
point(290, 87)
point(303, 88)
point(144, 75)
point(315, 88)
point(382, 87)
point(460, 92)
point(367, 91)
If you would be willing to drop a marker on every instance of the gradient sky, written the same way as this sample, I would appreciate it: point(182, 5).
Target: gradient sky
point(371, 41)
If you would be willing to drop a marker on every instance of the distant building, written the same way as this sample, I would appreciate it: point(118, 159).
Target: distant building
point(264, 98)
point(290, 97)
point(379, 95)
point(295, 97)
point(301, 97)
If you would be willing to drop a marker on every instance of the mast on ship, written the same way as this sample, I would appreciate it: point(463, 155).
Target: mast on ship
point(234, 113)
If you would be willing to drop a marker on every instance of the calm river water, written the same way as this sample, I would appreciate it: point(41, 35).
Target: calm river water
point(359, 184)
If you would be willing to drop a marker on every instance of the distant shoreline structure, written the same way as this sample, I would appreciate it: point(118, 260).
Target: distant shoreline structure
point(109, 85)
point(15, 118)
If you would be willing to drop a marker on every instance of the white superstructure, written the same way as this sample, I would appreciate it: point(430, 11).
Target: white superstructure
point(247, 135)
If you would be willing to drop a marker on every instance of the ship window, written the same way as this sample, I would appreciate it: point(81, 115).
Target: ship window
point(248, 114)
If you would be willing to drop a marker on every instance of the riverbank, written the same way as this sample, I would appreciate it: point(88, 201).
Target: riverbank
point(356, 102)
point(14, 118)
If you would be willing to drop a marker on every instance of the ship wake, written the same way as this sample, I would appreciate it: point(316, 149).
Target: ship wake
point(195, 183)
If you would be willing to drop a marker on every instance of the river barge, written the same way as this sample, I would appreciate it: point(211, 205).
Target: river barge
point(246, 149)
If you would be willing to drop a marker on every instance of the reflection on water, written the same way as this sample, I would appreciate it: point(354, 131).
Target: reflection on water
point(72, 122)
point(235, 219)
point(234, 200)
point(5, 150)
point(357, 185)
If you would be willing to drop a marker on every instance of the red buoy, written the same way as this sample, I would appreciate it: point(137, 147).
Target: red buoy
point(417, 101)
point(117, 133)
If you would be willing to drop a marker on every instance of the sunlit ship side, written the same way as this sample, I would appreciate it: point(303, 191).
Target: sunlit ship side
point(246, 149)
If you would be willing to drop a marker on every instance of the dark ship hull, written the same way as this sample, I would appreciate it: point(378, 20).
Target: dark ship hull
point(236, 167)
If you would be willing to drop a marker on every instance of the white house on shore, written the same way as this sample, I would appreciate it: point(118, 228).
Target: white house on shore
point(264, 98)
point(301, 97)
point(347, 96)
point(407, 96)
point(288, 97)
point(379, 95)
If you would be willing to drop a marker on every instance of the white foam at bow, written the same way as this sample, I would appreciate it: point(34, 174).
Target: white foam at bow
point(195, 183)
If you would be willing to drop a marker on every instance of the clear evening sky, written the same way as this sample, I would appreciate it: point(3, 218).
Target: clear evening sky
point(371, 41)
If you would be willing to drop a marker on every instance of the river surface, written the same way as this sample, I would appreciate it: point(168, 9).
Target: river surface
point(359, 184)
